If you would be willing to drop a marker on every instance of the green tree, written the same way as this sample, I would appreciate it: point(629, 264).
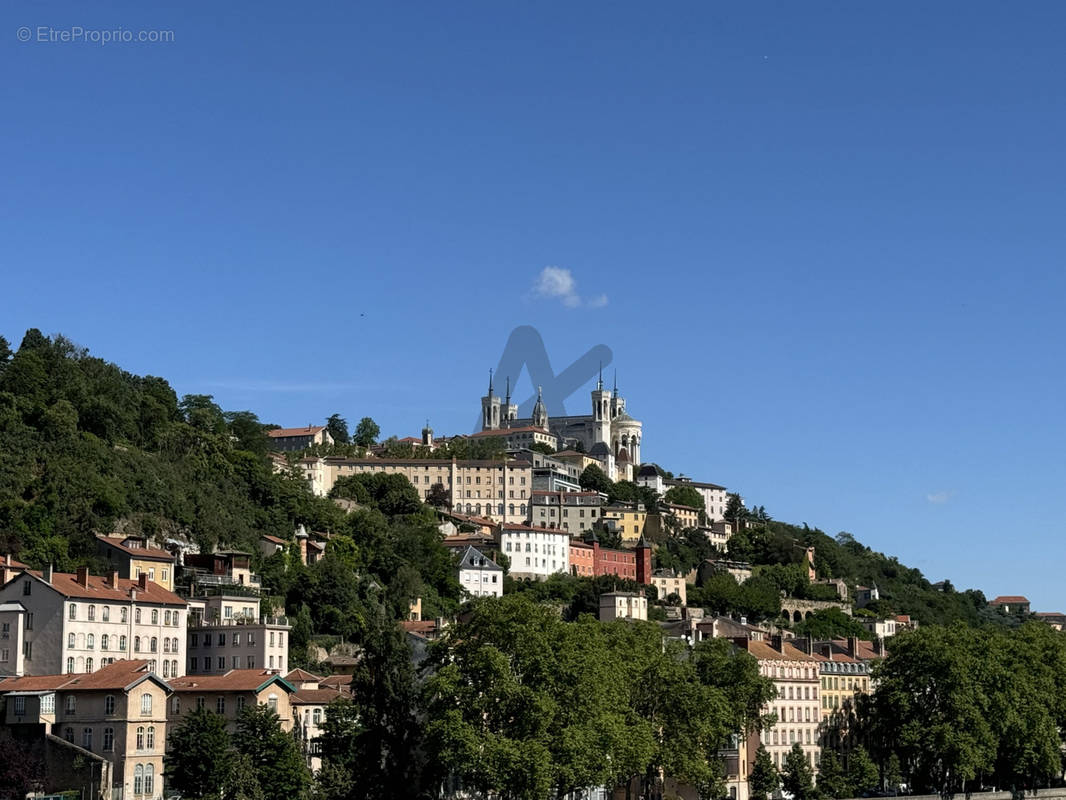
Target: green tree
point(199, 758)
point(893, 773)
point(366, 432)
point(797, 776)
point(735, 511)
point(541, 447)
point(831, 623)
point(5, 354)
point(862, 772)
point(274, 756)
point(243, 783)
point(248, 431)
point(201, 411)
point(439, 497)
point(764, 779)
point(832, 782)
point(684, 496)
point(337, 426)
point(594, 479)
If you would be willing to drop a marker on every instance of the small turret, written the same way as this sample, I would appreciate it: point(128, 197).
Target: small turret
point(540, 413)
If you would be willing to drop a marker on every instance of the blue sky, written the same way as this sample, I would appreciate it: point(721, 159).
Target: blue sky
point(824, 241)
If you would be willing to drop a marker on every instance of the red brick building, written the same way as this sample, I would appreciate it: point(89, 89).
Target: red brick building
point(588, 559)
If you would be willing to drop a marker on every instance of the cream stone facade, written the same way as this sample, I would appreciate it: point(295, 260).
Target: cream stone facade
point(623, 605)
point(499, 490)
point(715, 497)
point(117, 712)
point(77, 622)
point(132, 556)
point(230, 693)
point(668, 582)
point(795, 674)
point(228, 632)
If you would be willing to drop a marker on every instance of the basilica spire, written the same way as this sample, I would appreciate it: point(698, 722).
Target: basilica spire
point(490, 381)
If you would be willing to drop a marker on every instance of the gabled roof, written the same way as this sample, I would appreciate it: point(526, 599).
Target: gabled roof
point(147, 553)
point(100, 589)
point(475, 559)
point(310, 430)
point(236, 680)
point(765, 651)
point(317, 697)
point(1009, 598)
point(274, 539)
point(503, 432)
point(301, 676)
point(512, 526)
point(336, 680)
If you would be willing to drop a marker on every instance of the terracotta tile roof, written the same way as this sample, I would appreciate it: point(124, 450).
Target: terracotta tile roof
point(420, 626)
point(335, 680)
point(509, 431)
point(310, 430)
point(317, 697)
point(236, 680)
point(274, 539)
point(1009, 598)
point(864, 650)
point(8, 561)
point(100, 588)
point(410, 440)
point(765, 651)
point(149, 553)
point(301, 676)
point(513, 526)
point(120, 675)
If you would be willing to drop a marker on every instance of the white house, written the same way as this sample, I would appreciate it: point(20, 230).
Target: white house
point(535, 552)
point(480, 575)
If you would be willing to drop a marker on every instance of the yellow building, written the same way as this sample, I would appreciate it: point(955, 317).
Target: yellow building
point(131, 557)
point(628, 520)
point(686, 516)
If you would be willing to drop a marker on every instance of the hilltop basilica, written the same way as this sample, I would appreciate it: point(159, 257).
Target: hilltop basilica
point(608, 434)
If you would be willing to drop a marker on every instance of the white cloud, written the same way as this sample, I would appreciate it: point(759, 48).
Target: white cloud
point(939, 498)
point(557, 282)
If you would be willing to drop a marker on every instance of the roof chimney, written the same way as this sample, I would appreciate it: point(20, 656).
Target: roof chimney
point(778, 643)
point(879, 646)
point(142, 580)
point(853, 646)
point(46, 573)
point(806, 644)
point(113, 580)
point(83, 576)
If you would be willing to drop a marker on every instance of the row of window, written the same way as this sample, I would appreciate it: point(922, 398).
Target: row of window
point(790, 736)
point(169, 617)
point(71, 705)
point(235, 639)
point(475, 508)
point(235, 662)
point(794, 714)
point(87, 665)
point(806, 694)
point(88, 642)
point(848, 684)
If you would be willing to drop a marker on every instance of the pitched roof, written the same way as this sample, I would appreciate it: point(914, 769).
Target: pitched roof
point(317, 697)
point(1009, 598)
point(120, 675)
point(148, 553)
point(310, 430)
point(273, 539)
point(765, 651)
point(100, 589)
point(509, 431)
point(513, 526)
point(236, 680)
point(475, 559)
point(336, 680)
point(301, 676)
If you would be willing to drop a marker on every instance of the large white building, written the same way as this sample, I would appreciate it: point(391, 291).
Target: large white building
point(608, 433)
point(535, 552)
point(228, 632)
point(77, 622)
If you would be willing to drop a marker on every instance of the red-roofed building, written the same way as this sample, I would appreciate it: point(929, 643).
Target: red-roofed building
point(1011, 604)
point(9, 568)
point(230, 693)
point(117, 713)
point(309, 703)
point(77, 622)
point(132, 556)
point(294, 439)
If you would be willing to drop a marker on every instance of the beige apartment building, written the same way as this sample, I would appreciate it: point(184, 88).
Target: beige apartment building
point(715, 497)
point(795, 673)
point(117, 712)
point(628, 519)
point(229, 694)
point(309, 703)
point(669, 582)
point(77, 622)
point(686, 516)
point(499, 490)
point(296, 439)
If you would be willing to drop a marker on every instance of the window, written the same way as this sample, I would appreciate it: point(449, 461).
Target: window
point(48, 704)
point(146, 703)
point(221, 662)
point(136, 644)
point(166, 617)
point(104, 641)
point(107, 614)
point(122, 642)
point(70, 665)
point(272, 702)
point(109, 739)
point(149, 778)
point(155, 644)
point(251, 662)
point(20, 706)
point(166, 669)
point(222, 640)
point(192, 664)
point(240, 704)
point(137, 616)
point(88, 665)
point(29, 622)
point(124, 614)
point(166, 644)
point(175, 705)
point(138, 779)
point(316, 716)
point(70, 641)
point(90, 641)
point(236, 662)
point(92, 612)
point(71, 704)
point(109, 704)
point(140, 738)
point(150, 741)
point(220, 705)
point(27, 586)
point(155, 616)
point(199, 704)
point(272, 638)
point(72, 612)
point(68, 734)
point(87, 738)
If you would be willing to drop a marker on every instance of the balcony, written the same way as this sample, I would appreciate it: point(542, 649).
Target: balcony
point(234, 622)
point(228, 580)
